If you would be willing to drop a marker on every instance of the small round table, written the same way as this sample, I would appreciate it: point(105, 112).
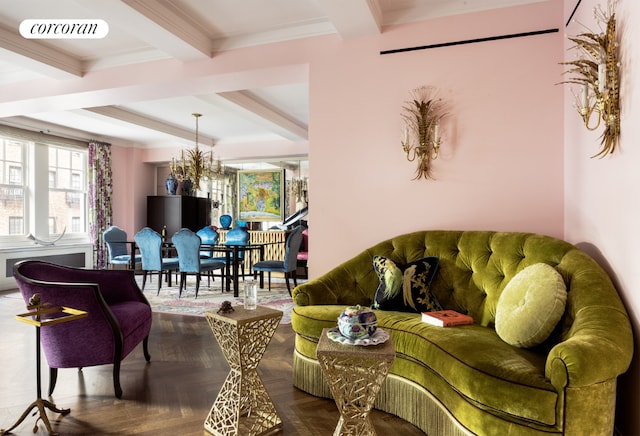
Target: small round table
point(243, 406)
point(355, 374)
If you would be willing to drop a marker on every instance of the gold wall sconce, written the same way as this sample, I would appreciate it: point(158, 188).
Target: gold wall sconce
point(596, 72)
point(421, 138)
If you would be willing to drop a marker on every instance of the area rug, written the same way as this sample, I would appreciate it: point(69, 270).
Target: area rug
point(210, 298)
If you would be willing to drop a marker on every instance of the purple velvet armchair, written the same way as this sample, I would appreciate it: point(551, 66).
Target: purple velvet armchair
point(119, 315)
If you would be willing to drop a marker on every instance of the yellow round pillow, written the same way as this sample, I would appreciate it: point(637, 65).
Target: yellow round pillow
point(530, 306)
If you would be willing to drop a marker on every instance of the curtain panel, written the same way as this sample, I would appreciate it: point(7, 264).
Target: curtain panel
point(100, 195)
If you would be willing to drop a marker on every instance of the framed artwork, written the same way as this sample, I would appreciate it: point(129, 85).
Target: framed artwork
point(261, 195)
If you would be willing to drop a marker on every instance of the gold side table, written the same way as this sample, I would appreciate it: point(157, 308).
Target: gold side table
point(43, 315)
point(243, 406)
point(355, 375)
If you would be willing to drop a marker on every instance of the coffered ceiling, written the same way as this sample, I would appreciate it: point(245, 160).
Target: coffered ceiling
point(146, 31)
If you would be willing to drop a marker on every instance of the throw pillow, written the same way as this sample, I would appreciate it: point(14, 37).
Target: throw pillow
point(406, 288)
point(530, 306)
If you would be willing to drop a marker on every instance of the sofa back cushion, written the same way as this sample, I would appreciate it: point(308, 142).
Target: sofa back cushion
point(474, 267)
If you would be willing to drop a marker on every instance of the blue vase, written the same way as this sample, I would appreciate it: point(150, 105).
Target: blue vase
point(187, 187)
point(171, 183)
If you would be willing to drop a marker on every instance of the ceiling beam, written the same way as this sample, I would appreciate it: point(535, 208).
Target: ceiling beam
point(267, 115)
point(150, 123)
point(353, 18)
point(156, 23)
point(35, 56)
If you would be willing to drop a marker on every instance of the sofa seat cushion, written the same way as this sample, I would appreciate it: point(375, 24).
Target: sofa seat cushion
point(471, 359)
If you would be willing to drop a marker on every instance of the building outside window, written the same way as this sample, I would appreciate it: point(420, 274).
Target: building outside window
point(43, 187)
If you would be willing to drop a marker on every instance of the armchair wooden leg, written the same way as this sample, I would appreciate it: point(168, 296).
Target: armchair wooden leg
point(145, 349)
point(53, 377)
point(116, 379)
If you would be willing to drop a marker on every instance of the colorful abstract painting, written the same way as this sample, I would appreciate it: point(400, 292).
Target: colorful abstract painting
point(261, 195)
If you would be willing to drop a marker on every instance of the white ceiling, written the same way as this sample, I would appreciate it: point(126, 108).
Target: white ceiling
point(144, 31)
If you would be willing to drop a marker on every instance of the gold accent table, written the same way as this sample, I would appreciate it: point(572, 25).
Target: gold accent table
point(355, 374)
point(243, 406)
point(43, 315)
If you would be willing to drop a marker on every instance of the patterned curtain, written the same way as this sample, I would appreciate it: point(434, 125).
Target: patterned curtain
point(100, 193)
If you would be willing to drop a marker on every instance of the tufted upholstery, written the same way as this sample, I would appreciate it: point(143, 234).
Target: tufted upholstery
point(567, 385)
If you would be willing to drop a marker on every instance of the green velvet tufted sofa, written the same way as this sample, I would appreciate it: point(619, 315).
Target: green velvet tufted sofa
point(467, 380)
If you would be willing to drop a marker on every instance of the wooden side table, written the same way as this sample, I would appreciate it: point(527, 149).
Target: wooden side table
point(355, 375)
point(243, 406)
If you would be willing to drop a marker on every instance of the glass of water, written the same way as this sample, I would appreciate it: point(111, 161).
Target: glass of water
point(250, 294)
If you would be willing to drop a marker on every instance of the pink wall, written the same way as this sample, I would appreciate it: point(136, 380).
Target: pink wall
point(602, 213)
point(501, 162)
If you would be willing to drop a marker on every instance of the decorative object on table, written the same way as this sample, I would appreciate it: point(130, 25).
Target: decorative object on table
point(171, 184)
point(446, 318)
point(46, 243)
point(195, 165)
point(225, 221)
point(421, 137)
point(597, 72)
point(43, 315)
point(357, 322)
point(250, 294)
point(243, 405)
point(226, 307)
point(380, 336)
point(261, 195)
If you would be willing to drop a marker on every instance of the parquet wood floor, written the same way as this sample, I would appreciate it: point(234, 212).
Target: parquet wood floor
point(171, 395)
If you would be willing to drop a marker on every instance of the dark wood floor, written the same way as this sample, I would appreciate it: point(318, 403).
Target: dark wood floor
point(171, 395)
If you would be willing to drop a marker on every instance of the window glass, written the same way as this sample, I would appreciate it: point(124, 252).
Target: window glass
point(67, 193)
point(12, 187)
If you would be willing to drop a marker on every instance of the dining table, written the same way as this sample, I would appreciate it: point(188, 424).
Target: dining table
point(231, 252)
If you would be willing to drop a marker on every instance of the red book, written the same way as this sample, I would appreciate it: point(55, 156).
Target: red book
point(446, 318)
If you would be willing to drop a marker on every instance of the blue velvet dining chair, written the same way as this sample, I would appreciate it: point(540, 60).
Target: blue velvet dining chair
point(187, 243)
point(208, 236)
point(149, 243)
point(117, 247)
point(288, 265)
point(238, 235)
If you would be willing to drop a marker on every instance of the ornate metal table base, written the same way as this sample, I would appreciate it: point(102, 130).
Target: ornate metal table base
point(243, 406)
point(38, 310)
point(355, 375)
point(41, 404)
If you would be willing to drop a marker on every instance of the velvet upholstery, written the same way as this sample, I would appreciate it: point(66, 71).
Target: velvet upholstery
point(190, 261)
point(471, 380)
point(238, 235)
point(209, 236)
point(119, 315)
point(288, 264)
point(117, 247)
point(149, 243)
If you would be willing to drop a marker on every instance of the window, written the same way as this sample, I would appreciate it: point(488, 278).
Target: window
point(66, 189)
point(12, 156)
point(16, 225)
point(43, 185)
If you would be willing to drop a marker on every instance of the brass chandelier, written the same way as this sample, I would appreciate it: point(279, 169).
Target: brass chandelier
point(195, 165)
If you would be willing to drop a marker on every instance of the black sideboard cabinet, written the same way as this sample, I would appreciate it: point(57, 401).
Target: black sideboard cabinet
point(176, 212)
